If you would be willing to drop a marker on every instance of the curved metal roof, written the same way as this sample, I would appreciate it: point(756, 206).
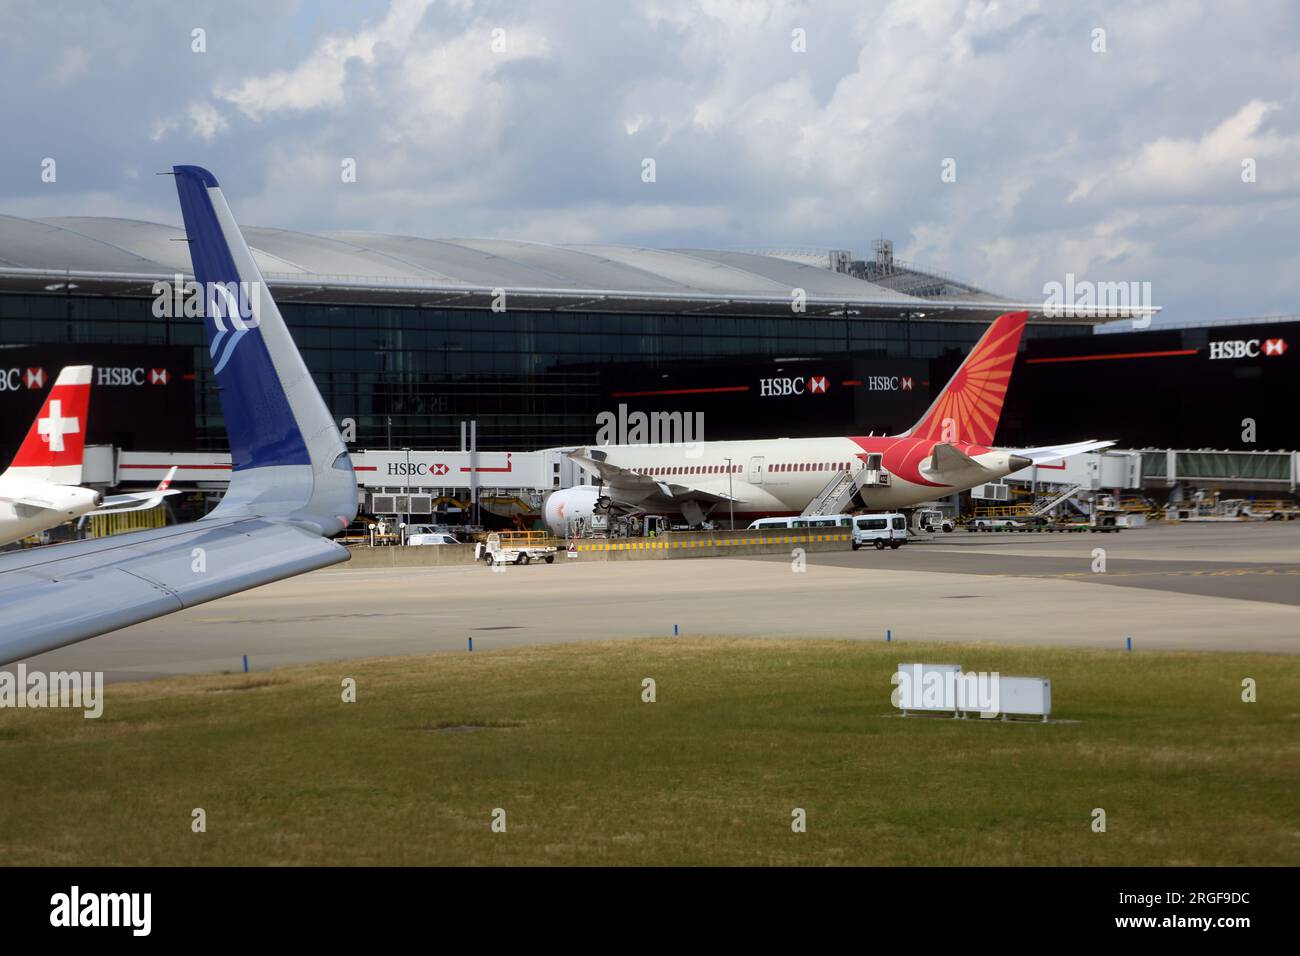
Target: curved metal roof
point(89, 244)
point(111, 256)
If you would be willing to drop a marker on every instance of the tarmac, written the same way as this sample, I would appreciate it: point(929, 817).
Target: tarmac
point(1227, 587)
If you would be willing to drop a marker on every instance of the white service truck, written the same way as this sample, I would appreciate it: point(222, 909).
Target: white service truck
point(515, 547)
point(931, 519)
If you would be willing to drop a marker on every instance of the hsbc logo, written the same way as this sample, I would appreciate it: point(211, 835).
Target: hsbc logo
point(1246, 348)
point(120, 375)
point(782, 387)
point(17, 379)
point(889, 383)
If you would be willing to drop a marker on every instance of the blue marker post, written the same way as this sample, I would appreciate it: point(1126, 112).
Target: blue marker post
point(471, 645)
point(1129, 642)
point(245, 663)
point(889, 635)
point(674, 630)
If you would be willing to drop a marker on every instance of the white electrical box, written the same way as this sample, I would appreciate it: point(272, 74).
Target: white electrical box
point(912, 681)
point(1025, 696)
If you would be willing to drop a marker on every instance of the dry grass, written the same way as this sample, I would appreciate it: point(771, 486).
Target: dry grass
point(743, 732)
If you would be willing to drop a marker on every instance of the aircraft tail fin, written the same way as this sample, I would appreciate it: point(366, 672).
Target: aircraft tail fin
point(167, 479)
point(56, 442)
point(968, 408)
point(287, 456)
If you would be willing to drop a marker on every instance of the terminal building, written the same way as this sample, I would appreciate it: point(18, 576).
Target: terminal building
point(409, 338)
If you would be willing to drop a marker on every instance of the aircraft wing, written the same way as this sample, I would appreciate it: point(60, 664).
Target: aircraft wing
point(65, 593)
point(134, 501)
point(292, 485)
point(1046, 454)
point(28, 501)
point(137, 500)
point(629, 486)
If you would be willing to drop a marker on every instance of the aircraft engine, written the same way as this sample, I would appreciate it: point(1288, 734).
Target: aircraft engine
point(568, 505)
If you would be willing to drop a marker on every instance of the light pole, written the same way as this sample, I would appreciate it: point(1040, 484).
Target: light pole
point(406, 487)
point(731, 499)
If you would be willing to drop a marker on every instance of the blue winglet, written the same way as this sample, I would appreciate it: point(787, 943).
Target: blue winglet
point(262, 428)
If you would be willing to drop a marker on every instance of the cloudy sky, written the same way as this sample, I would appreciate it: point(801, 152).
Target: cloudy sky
point(771, 123)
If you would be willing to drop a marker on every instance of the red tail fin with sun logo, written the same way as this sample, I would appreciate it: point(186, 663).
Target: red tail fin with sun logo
point(968, 408)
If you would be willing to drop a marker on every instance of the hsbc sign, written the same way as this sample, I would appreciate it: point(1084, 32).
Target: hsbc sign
point(1247, 348)
point(781, 387)
point(404, 469)
point(120, 375)
point(889, 383)
point(129, 380)
point(18, 379)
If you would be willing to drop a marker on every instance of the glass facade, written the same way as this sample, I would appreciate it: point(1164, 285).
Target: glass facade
point(531, 379)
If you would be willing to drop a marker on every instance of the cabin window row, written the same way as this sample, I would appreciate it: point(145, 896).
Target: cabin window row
point(687, 470)
point(811, 466)
point(779, 468)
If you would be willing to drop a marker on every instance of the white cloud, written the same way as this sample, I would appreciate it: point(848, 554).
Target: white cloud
point(1123, 165)
point(206, 121)
point(1189, 168)
point(319, 80)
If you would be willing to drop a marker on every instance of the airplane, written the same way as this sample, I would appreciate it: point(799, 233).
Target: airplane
point(41, 487)
point(292, 486)
point(949, 450)
point(136, 500)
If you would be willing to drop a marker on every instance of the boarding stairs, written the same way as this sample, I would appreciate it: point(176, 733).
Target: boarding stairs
point(833, 498)
point(1045, 504)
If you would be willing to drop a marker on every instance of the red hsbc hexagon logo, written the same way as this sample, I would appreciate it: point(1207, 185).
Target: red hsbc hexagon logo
point(1274, 346)
point(906, 383)
point(817, 383)
point(439, 469)
point(158, 376)
point(35, 378)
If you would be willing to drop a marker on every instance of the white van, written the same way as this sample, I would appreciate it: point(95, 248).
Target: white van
point(880, 530)
point(817, 521)
point(422, 535)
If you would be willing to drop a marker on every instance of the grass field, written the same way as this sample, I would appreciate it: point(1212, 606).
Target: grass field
point(742, 732)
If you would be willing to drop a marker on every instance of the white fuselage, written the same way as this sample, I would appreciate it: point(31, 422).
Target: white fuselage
point(29, 506)
point(782, 476)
